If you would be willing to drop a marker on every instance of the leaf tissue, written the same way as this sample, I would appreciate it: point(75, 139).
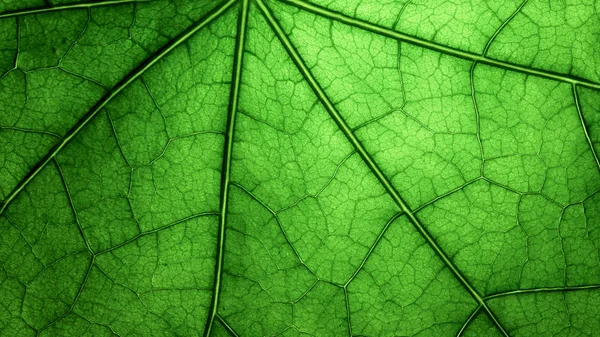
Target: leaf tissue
point(324, 168)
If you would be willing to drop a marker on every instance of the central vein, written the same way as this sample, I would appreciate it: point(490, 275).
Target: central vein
point(339, 120)
point(227, 158)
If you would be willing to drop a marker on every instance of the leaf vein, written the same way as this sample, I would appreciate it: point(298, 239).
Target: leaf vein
point(583, 125)
point(543, 289)
point(30, 11)
point(226, 326)
point(380, 30)
point(125, 82)
point(347, 131)
point(464, 327)
point(242, 26)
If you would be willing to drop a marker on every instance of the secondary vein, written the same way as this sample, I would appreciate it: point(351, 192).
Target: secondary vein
point(227, 159)
point(227, 326)
point(489, 43)
point(155, 230)
point(339, 120)
point(29, 11)
point(372, 248)
point(79, 292)
point(380, 30)
point(542, 290)
point(72, 205)
point(584, 126)
point(466, 324)
point(130, 78)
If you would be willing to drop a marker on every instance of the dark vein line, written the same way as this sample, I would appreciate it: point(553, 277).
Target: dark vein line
point(512, 190)
point(156, 230)
point(583, 125)
point(18, 51)
point(321, 190)
point(509, 19)
point(131, 170)
point(227, 159)
point(377, 118)
point(337, 117)
point(92, 323)
point(283, 232)
point(477, 117)
point(348, 318)
point(52, 263)
point(39, 10)
point(448, 193)
point(77, 41)
point(79, 291)
point(472, 82)
point(159, 289)
point(18, 129)
point(12, 223)
point(333, 15)
point(400, 13)
point(72, 204)
point(168, 143)
point(468, 321)
point(541, 290)
point(226, 326)
point(372, 248)
point(562, 244)
point(127, 80)
point(80, 76)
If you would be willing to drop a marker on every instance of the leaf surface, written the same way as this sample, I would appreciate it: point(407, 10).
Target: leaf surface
point(296, 168)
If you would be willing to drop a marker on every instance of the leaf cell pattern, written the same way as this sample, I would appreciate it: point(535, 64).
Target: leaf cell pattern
point(299, 168)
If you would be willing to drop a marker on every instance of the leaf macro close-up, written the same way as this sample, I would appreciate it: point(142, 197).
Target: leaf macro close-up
point(324, 168)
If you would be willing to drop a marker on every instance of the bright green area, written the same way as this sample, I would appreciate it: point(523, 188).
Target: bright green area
point(299, 168)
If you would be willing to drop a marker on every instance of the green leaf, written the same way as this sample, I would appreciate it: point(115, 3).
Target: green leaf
point(295, 168)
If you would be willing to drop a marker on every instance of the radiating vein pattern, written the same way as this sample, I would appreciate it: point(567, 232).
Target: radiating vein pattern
point(110, 232)
point(232, 168)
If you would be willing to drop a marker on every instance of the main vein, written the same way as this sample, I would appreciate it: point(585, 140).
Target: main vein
point(339, 120)
point(380, 30)
point(127, 80)
point(28, 11)
point(227, 158)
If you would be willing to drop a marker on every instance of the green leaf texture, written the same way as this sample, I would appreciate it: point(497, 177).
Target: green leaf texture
point(300, 168)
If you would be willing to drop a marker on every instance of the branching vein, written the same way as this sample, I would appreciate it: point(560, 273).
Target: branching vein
point(380, 30)
point(584, 126)
point(337, 117)
point(464, 327)
point(130, 78)
point(29, 11)
point(543, 289)
point(227, 159)
point(226, 326)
